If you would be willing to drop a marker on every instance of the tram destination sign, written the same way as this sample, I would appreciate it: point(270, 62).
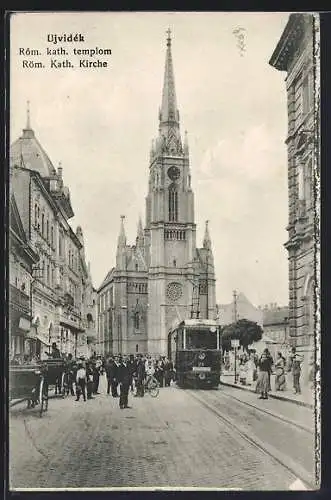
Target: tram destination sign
point(201, 369)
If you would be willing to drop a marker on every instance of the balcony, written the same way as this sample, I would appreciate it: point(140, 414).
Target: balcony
point(19, 300)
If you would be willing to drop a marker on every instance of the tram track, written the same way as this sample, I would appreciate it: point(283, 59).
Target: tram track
point(277, 416)
point(292, 466)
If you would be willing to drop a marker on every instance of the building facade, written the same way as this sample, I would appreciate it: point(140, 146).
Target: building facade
point(276, 324)
point(58, 284)
point(294, 54)
point(164, 277)
point(22, 258)
point(239, 308)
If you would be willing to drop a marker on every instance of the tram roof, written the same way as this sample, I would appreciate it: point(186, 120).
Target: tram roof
point(195, 323)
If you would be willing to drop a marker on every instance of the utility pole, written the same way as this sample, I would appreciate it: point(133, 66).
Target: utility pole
point(235, 297)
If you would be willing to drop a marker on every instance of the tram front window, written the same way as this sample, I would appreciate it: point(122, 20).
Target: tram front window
point(201, 340)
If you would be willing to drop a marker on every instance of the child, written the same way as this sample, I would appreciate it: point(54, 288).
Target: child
point(80, 381)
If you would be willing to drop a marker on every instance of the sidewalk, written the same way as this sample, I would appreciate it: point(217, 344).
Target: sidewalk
point(306, 398)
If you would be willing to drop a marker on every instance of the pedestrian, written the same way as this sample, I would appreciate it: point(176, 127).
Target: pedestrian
point(96, 376)
point(296, 360)
point(263, 381)
point(167, 372)
point(81, 382)
point(124, 379)
point(70, 374)
point(112, 374)
point(250, 370)
point(89, 380)
point(132, 366)
point(140, 377)
point(280, 380)
point(150, 370)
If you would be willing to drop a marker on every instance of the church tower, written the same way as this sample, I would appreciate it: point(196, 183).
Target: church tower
point(170, 226)
point(163, 277)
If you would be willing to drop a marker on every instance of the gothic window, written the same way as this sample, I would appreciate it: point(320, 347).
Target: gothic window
point(47, 230)
point(136, 265)
point(42, 224)
point(136, 320)
point(52, 236)
point(173, 204)
point(175, 263)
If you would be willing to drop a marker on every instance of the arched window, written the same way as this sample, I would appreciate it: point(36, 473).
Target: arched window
point(42, 224)
point(136, 320)
point(137, 347)
point(173, 204)
point(47, 230)
point(52, 236)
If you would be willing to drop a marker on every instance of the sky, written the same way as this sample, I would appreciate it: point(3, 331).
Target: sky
point(99, 123)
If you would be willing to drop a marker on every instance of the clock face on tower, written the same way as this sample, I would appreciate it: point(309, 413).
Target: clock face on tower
point(173, 173)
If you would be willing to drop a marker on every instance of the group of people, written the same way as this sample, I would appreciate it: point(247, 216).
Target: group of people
point(253, 368)
point(82, 376)
point(134, 372)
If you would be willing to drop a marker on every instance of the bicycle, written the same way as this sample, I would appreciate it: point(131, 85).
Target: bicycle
point(151, 386)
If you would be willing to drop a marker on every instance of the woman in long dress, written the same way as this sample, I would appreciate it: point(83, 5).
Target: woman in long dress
point(250, 370)
point(263, 383)
point(280, 380)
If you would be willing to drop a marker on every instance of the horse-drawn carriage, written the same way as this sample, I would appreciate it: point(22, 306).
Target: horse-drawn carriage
point(58, 375)
point(29, 383)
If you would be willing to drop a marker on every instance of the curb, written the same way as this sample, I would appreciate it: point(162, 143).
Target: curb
point(271, 395)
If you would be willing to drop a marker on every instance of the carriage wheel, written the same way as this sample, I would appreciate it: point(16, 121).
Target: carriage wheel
point(43, 397)
point(153, 388)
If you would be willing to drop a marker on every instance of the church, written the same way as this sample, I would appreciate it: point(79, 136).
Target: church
point(163, 277)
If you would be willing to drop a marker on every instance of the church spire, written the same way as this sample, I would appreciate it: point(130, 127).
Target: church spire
point(186, 148)
point(206, 239)
point(121, 242)
point(140, 233)
point(169, 115)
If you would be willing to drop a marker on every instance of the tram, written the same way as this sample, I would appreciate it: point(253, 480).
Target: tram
point(194, 346)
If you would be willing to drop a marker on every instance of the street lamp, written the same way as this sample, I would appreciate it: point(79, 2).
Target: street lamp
point(235, 345)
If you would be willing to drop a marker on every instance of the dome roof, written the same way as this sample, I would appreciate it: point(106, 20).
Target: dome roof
point(28, 149)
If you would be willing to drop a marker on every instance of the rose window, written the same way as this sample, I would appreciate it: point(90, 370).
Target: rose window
point(174, 291)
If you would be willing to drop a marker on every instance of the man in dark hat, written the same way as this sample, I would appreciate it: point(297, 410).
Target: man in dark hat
point(124, 378)
point(140, 374)
point(132, 366)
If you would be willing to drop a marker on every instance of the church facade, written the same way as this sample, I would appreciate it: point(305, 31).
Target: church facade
point(164, 277)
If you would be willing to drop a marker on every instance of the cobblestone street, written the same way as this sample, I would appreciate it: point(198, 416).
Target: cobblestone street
point(170, 441)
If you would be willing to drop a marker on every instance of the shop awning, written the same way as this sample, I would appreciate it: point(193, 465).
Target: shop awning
point(38, 337)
